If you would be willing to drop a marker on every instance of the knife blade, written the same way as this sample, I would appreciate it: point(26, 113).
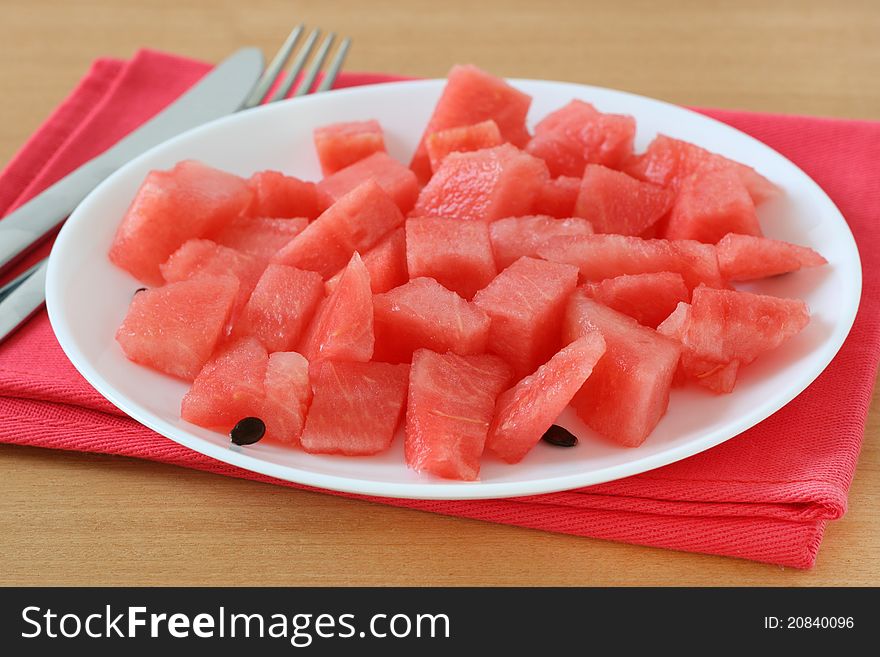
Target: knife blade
point(220, 92)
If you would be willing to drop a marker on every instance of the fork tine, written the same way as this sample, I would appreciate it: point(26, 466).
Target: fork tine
point(298, 63)
point(278, 62)
point(335, 65)
point(309, 78)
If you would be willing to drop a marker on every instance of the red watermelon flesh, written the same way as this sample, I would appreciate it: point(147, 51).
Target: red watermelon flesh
point(614, 202)
point(709, 205)
point(674, 327)
point(526, 303)
point(451, 404)
point(356, 407)
point(190, 201)
point(175, 328)
point(280, 307)
point(628, 392)
point(647, 298)
point(341, 144)
point(483, 185)
point(229, 387)
point(464, 138)
point(288, 395)
point(342, 328)
point(284, 197)
point(455, 253)
point(355, 222)
point(424, 314)
point(669, 161)
point(385, 262)
point(398, 182)
point(515, 237)
point(557, 197)
point(472, 96)
point(261, 237)
point(525, 412)
point(606, 256)
point(745, 258)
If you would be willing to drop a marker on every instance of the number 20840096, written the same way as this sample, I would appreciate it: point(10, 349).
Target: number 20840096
point(808, 622)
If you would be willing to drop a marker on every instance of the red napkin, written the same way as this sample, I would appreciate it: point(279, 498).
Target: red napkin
point(766, 495)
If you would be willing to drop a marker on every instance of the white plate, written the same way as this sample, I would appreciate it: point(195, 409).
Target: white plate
point(87, 297)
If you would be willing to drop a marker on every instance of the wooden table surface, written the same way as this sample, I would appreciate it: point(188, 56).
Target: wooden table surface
point(70, 518)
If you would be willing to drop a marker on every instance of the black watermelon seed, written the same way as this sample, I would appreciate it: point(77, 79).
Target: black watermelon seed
point(247, 431)
point(560, 437)
point(140, 289)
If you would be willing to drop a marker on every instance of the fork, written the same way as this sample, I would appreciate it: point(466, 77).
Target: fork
point(22, 296)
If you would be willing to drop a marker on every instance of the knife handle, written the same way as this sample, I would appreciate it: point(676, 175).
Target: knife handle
point(23, 301)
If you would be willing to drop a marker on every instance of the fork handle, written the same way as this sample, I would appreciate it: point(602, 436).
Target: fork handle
point(23, 302)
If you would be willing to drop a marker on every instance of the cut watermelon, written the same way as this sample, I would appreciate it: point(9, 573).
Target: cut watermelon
point(190, 201)
point(356, 407)
point(578, 134)
point(485, 185)
point(472, 96)
point(283, 197)
point(281, 307)
point(342, 328)
point(526, 411)
point(385, 262)
point(399, 182)
point(261, 237)
point(462, 139)
point(614, 202)
point(628, 391)
point(557, 197)
point(229, 387)
point(355, 222)
point(341, 144)
point(674, 327)
point(605, 256)
point(709, 205)
point(288, 396)
point(526, 303)
point(745, 258)
point(647, 298)
point(423, 313)
point(515, 237)
point(455, 253)
point(175, 328)
point(451, 403)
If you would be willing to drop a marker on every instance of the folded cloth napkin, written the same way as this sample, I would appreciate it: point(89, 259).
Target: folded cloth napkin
point(765, 495)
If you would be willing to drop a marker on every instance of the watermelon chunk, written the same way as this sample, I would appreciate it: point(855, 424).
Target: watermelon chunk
point(341, 144)
point(557, 197)
point(356, 407)
point(175, 328)
point(261, 237)
point(385, 262)
point(526, 303)
point(283, 197)
point(288, 395)
point(190, 201)
point(451, 403)
point(398, 182)
point(523, 413)
point(674, 327)
point(605, 256)
point(515, 237)
point(280, 307)
point(229, 387)
point(483, 185)
point(669, 161)
point(614, 202)
point(455, 253)
point(578, 134)
point(628, 391)
point(472, 96)
point(647, 298)
point(342, 328)
point(462, 139)
point(423, 313)
point(355, 222)
point(709, 205)
point(745, 258)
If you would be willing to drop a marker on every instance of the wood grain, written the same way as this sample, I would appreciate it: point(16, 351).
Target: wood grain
point(70, 518)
